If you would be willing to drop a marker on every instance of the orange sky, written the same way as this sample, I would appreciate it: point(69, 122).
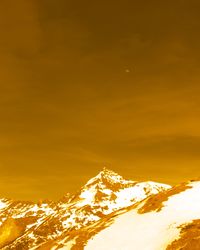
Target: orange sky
point(85, 84)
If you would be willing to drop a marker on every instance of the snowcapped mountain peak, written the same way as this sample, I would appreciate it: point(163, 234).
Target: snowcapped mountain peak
point(108, 179)
point(108, 173)
point(110, 191)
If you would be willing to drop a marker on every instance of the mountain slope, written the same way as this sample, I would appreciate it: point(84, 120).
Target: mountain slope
point(48, 225)
point(168, 220)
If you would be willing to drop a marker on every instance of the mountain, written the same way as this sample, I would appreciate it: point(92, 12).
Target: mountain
point(169, 220)
point(56, 225)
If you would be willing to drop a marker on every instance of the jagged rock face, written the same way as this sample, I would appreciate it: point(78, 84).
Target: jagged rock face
point(49, 225)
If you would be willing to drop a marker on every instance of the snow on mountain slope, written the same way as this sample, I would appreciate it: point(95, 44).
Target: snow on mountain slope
point(168, 220)
point(109, 191)
point(48, 225)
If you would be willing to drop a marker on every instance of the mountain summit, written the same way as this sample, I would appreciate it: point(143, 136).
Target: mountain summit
point(110, 191)
point(108, 178)
point(55, 225)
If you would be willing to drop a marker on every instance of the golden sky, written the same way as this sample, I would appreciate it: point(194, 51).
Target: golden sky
point(85, 84)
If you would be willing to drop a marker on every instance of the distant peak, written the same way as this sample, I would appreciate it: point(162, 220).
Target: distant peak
point(108, 172)
point(106, 176)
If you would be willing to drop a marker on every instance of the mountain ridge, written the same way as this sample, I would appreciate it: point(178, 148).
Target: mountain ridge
point(33, 225)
